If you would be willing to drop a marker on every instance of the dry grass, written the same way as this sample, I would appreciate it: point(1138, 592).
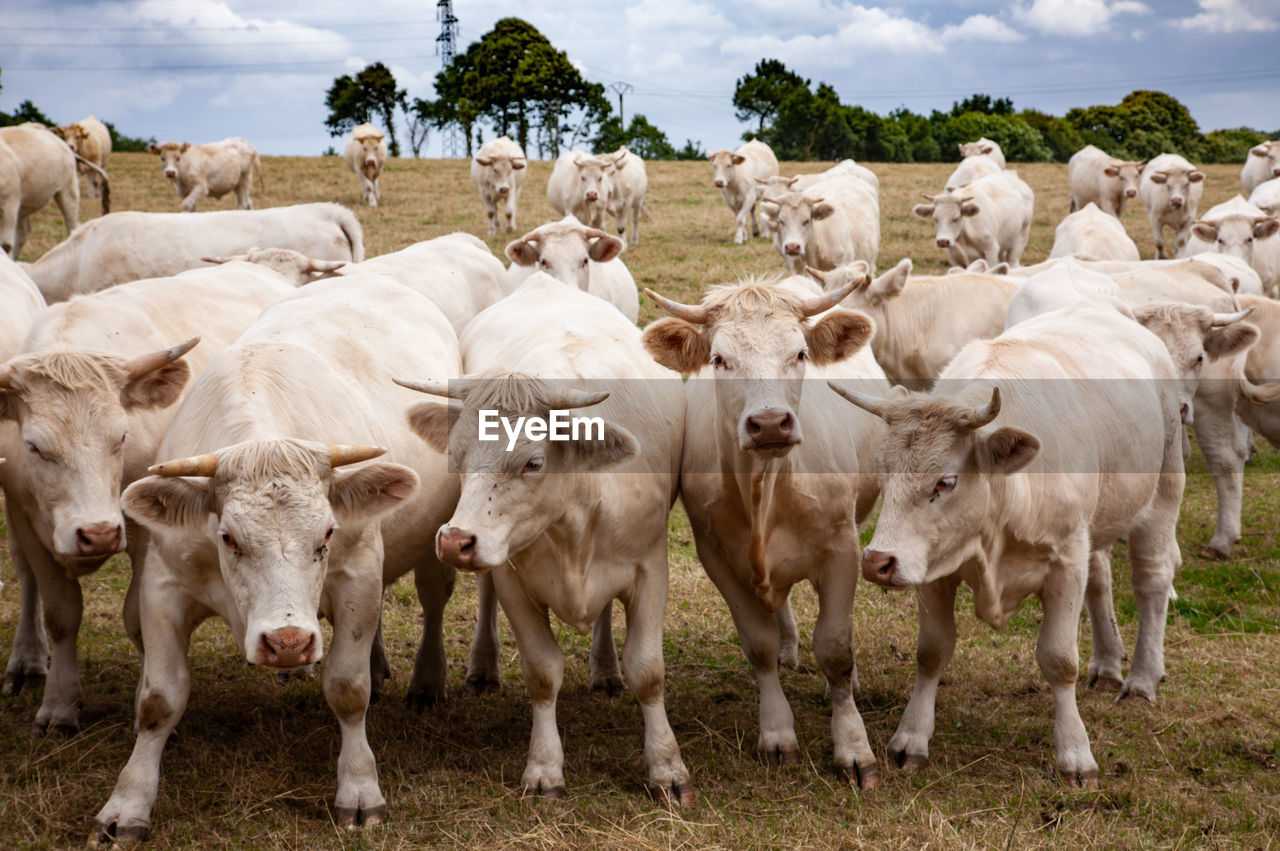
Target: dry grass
point(252, 764)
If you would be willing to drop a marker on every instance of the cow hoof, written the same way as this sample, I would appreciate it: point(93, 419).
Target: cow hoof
point(484, 683)
point(782, 755)
point(1104, 682)
point(354, 817)
point(114, 834)
point(420, 699)
point(59, 730)
point(1081, 779)
point(549, 793)
point(910, 763)
point(866, 776)
point(789, 658)
point(610, 685)
point(16, 681)
point(1129, 690)
point(675, 794)
point(1214, 554)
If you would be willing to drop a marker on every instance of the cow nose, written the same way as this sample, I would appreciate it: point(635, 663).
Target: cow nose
point(719, 184)
point(943, 242)
point(792, 248)
point(771, 427)
point(591, 196)
point(99, 540)
point(456, 547)
point(1175, 202)
point(1129, 193)
point(287, 647)
point(168, 172)
point(878, 566)
point(504, 190)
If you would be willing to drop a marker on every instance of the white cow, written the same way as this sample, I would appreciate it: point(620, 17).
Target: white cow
point(969, 170)
point(1107, 181)
point(773, 478)
point(365, 155)
point(1090, 234)
point(253, 521)
point(130, 246)
point(89, 138)
point(567, 526)
point(581, 185)
point(1239, 229)
point(91, 393)
point(35, 167)
point(1003, 508)
point(989, 219)
point(630, 183)
point(735, 177)
point(984, 147)
point(213, 170)
point(1266, 197)
point(498, 171)
point(1171, 189)
point(834, 221)
point(779, 185)
point(582, 257)
point(1261, 164)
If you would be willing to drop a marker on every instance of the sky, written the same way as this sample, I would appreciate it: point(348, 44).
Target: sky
point(201, 70)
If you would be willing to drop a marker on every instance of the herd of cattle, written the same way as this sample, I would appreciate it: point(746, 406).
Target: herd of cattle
point(235, 399)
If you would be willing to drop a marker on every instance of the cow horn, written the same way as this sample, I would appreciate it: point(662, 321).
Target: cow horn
point(865, 401)
point(1258, 394)
point(826, 301)
point(817, 274)
point(980, 416)
point(596, 233)
point(1221, 319)
point(342, 454)
point(927, 196)
point(196, 465)
point(143, 364)
point(220, 260)
point(433, 387)
point(570, 398)
point(325, 265)
point(697, 314)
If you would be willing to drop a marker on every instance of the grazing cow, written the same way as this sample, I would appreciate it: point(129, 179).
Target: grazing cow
point(89, 139)
point(498, 172)
point(1004, 509)
point(834, 221)
point(581, 185)
point(567, 527)
point(582, 257)
point(1239, 229)
point(969, 170)
point(778, 185)
point(1171, 189)
point(92, 392)
point(366, 154)
point(920, 328)
point(1266, 197)
point(989, 219)
point(1090, 234)
point(131, 246)
point(630, 182)
point(211, 170)
point(1107, 181)
point(773, 479)
point(735, 176)
point(984, 147)
point(35, 167)
point(1261, 164)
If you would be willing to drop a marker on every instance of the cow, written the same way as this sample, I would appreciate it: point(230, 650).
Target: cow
point(89, 139)
point(779, 185)
point(984, 147)
point(213, 170)
point(1266, 197)
point(834, 221)
point(1001, 506)
point(581, 185)
point(1090, 234)
point(1171, 189)
point(498, 172)
point(1107, 181)
point(582, 257)
point(969, 170)
point(1258, 400)
point(91, 393)
point(566, 528)
point(921, 327)
point(1261, 164)
point(989, 219)
point(774, 482)
point(1239, 229)
point(735, 177)
point(630, 182)
point(1229, 274)
point(365, 155)
point(35, 167)
point(131, 246)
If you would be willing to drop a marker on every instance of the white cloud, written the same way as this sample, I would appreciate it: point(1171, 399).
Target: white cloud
point(981, 28)
point(1230, 16)
point(1075, 17)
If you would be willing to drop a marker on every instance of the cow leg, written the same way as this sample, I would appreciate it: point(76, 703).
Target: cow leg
point(68, 201)
point(491, 211)
point(379, 664)
point(620, 219)
point(1223, 440)
point(744, 214)
point(511, 212)
point(1157, 234)
point(434, 582)
point(483, 675)
point(1108, 649)
point(789, 638)
point(21, 232)
point(1180, 237)
point(833, 648)
point(646, 604)
point(606, 676)
point(199, 191)
point(635, 222)
point(1154, 555)
point(935, 642)
point(1014, 255)
point(137, 536)
point(29, 659)
point(243, 201)
point(9, 230)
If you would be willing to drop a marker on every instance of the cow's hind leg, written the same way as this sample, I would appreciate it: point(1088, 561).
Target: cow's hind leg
point(1154, 555)
point(483, 675)
point(833, 647)
point(434, 583)
point(606, 676)
point(68, 201)
point(29, 659)
point(1108, 649)
point(935, 642)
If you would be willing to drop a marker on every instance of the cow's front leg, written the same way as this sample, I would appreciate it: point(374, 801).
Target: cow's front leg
point(935, 642)
point(63, 611)
point(29, 658)
point(1224, 443)
point(1108, 649)
point(1058, 655)
point(833, 647)
point(483, 674)
point(606, 676)
point(200, 191)
point(434, 583)
point(789, 639)
point(511, 211)
point(491, 215)
point(1154, 556)
point(746, 215)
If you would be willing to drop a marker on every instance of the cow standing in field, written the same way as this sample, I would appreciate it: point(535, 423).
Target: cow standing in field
point(35, 167)
point(1171, 189)
point(1261, 164)
point(582, 257)
point(567, 526)
point(581, 185)
point(630, 183)
point(213, 170)
point(834, 221)
point(1090, 234)
point(365, 155)
point(779, 185)
point(1107, 181)
point(736, 173)
point(775, 483)
point(89, 139)
point(498, 171)
point(988, 219)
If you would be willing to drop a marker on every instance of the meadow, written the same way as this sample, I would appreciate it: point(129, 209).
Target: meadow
point(252, 763)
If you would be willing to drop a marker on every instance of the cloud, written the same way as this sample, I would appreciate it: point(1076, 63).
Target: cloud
point(1075, 17)
point(981, 28)
point(1229, 16)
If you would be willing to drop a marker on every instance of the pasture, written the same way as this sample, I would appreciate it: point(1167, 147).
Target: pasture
point(253, 760)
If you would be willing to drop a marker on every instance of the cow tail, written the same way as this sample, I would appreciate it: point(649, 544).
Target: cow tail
point(106, 181)
point(257, 167)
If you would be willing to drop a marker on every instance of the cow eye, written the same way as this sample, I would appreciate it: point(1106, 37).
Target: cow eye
point(585, 261)
point(329, 534)
point(544, 264)
point(802, 355)
point(805, 223)
point(1199, 359)
point(945, 485)
point(533, 465)
point(230, 542)
point(35, 450)
point(718, 362)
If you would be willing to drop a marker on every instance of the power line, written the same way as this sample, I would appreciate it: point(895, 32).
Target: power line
point(251, 26)
point(222, 66)
point(114, 44)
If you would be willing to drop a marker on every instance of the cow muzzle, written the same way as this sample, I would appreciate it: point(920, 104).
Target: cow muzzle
point(880, 568)
point(456, 547)
point(943, 242)
point(287, 647)
point(504, 190)
point(170, 173)
point(792, 248)
point(771, 429)
point(719, 184)
point(593, 196)
point(100, 539)
point(1175, 202)
point(1130, 193)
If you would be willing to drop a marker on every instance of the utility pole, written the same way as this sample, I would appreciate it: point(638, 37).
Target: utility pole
point(621, 89)
point(452, 145)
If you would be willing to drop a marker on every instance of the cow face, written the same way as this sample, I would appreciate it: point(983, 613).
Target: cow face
point(75, 136)
point(370, 154)
point(595, 178)
point(170, 153)
point(273, 509)
point(1124, 177)
point(513, 488)
point(500, 172)
point(791, 218)
point(723, 164)
point(1182, 188)
point(982, 147)
point(564, 250)
point(72, 410)
point(1269, 152)
point(1236, 236)
point(948, 211)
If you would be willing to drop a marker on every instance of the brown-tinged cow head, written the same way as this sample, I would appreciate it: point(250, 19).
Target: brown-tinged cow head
point(595, 178)
point(1181, 186)
point(948, 211)
point(500, 171)
point(791, 218)
point(1237, 235)
point(170, 153)
point(723, 163)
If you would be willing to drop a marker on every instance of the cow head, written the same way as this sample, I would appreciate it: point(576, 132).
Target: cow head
point(75, 136)
point(72, 410)
point(372, 150)
point(791, 218)
point(1236, 235)
point(512, 490)
point(500, 171)
point(595, 178)
point(1124, 176)
point(865, 293)
point(564, 250)
point(948, 211)
point(982, 147)
point(1182, 187)
point(723, 163)
point(758, 338)
point(273, 509)
point(170, 153)
point(294, 266)
point(1268, 152)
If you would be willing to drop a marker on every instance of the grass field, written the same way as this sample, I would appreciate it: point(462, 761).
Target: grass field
point(253, 762)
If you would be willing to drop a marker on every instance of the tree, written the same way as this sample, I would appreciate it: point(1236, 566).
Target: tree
point(984, 104)
point(1142, 125)
point(640, 137)
point(760, 94)
point(353, 102)
point(26, 111)
point(691, 151)
point(418, 117)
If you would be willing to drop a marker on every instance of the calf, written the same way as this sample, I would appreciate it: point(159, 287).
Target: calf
point(365, 155)
point(989, 219)
point(834, 221)
point(582, 257)
point(498, 171)
point(1107, 181)
point(735, 176)
point(1171, 190)
point(1090, 234)
point(211, 170)
point(630, 182)
point(89, 139)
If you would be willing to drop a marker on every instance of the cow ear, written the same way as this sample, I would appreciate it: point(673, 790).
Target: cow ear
point(969, 209)
point(605, 249)
point(518, 163)
point(175, 502)
point(153, 148)
point(1258, 150)
point(923, 211)
point(1265, 228)
point(677, 345)
point(822, 211)
point(615, 446)
point(431, 421)
point(891, 283)
point(1159, 177)
point(1231, 340)
point(1195, 176)
point(739, 159)
point(1111, 171)
point(185, 146)
point(1005, 450)
point(158, 388)
point(484, 161)
point(522, 252)
point(838, 336)
point(1206, 231)
point(367, 492)
point(986, 149)
point(960, 148)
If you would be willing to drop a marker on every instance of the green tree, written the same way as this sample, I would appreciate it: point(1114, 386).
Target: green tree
point(1142, 125)
point(1060, 135)
point(641, 138)
point(759, 95)
point(691, 151)
point(26, 111)
point(120, 142)
point(984, 104)
point(1230, 145)
point(353, 101)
